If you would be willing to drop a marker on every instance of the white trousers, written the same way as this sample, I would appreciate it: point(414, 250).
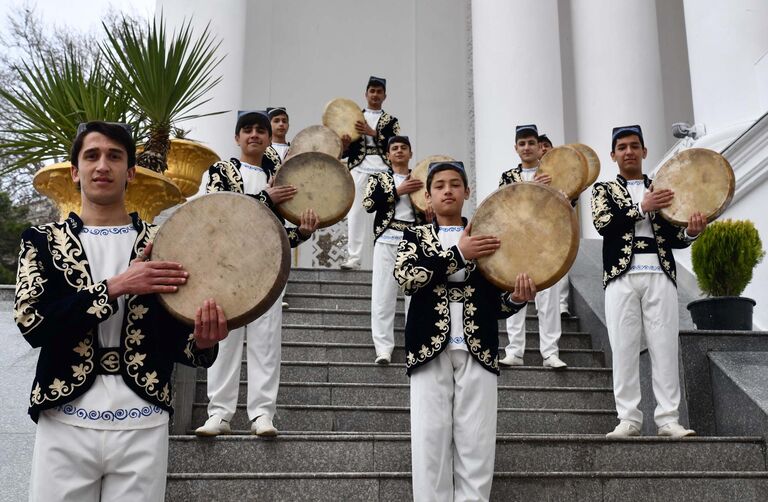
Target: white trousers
point(90, 465)
point(453, 429)
point(637, 307)
point(550, 326)
point(359, 222)
point(263, 338)
point(564, 286)
point(384, 290)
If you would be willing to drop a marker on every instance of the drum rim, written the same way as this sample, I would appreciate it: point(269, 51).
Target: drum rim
point(591, 178)
point(575, 232)
point(584, 172)
point(726, 201)
point(296, 218)
point(347, 103)
point(282, 275)
point(315, 127)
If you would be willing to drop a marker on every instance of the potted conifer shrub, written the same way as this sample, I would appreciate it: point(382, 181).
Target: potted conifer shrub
point(724, 257)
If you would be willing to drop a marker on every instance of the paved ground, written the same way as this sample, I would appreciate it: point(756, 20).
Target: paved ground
point(17, 431)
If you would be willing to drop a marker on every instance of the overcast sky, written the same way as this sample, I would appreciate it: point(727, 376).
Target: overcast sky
point(81, 15)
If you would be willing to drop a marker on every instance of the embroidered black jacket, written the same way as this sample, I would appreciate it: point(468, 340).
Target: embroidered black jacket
point(224, 176)
point(381, 197)
point(271, 161)
point(614, 216)
point(386, 127)
point(59, 307)
point(422, 268)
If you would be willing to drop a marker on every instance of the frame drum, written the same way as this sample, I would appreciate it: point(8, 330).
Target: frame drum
point(538, 230)
point(593, 163)
point(702, 181)
point(235, 251)
point(324, 184)
point(316, 138)
point(418, 199)
point(568, 168)
point(340, 115)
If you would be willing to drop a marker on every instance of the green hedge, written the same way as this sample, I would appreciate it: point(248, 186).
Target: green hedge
point(725, 255)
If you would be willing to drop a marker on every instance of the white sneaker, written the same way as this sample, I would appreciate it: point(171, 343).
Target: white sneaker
point(625, 429)
point(383, 359)
point(512, 360)
point(350, 265)
point(675, 430)
point(212, 427)
point(285, 305)
point(262, 426)
point(554, 362)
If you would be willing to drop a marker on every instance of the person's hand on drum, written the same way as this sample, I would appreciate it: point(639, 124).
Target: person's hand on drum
point(696, 224)
point(543, 178)
point(410, 185)
point(146, 277)
point(653, 200)
point(282, 193)
point(363, 128)
point(346, 139)
point(477, 246)
point(210, 325)
point(525, 289)
point(308, 223)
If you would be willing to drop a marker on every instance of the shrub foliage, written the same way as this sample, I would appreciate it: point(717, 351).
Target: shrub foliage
point(725, 255)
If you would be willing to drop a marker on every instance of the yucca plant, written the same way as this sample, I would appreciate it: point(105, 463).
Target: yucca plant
point(725, 255)
point(52, 98)
point(166, 78)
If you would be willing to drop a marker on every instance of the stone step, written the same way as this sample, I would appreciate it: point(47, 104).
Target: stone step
point(345, 300)
point(514, 453)
point(626, 486)
point(361, 352)
point(373, 394)
point(346, 334)
point(306, 371)
point(396, 419)
point(296, 287)
point(329, 274)
point(362, 318)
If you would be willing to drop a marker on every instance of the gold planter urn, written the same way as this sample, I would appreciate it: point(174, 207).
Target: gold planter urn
point(187, 161)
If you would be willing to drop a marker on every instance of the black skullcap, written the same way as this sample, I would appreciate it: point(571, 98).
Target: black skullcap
point(398, 139)
point(376, 82)
point(623, 131)
point(251, 117)
point(274, 111)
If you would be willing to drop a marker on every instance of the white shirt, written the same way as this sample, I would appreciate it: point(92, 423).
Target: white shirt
point(642, 262)
point(372, 163)
point(281, 149)
point(449, 237)
point(528, 173)
point(403, 212)
point(109, 404)
point(254, 178)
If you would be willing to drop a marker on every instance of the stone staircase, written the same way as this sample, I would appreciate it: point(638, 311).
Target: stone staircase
point(344, 424)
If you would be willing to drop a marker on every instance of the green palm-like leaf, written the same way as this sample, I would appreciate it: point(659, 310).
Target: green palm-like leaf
point(49, 103)
point(166, 78)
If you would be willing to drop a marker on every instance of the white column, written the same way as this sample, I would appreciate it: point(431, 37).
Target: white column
point(227, 24)
point(617, 74)
point(517, 80)
point(725, 42)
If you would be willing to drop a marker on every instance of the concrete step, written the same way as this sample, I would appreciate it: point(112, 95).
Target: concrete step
point(627, 486)
point(514, 453)
point(373, 394)
point(296, 286)
point(361, 352)
point(362, 319)
point(305, 371)
point(346, 334)
point(311, 418)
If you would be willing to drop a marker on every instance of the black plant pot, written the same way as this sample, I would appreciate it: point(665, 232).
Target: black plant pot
point(723, 313)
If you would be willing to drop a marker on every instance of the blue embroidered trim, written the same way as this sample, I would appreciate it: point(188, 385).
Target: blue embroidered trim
point(108, 230)
point(254, 168)
point(452, 229)
point(458, 340)
point(645, 268)
point(635, 182)
point(109, 415)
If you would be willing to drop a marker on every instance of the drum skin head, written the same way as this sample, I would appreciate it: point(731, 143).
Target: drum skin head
point(315, 138)
point(420, 172)
point(324, 184)
point(702, 180)
point(593, 163)
point(538, 230)
point(568, 168)
point(340, 115)
point(235, 251)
